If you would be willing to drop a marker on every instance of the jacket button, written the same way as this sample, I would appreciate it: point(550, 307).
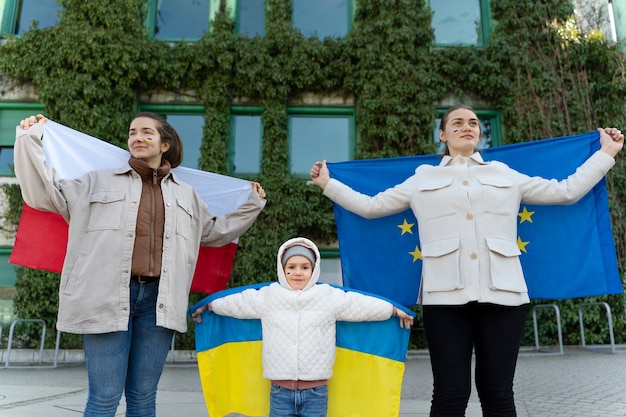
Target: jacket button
point(474, 256)
point(161, 305)
point(469, 216)
point(466, 182)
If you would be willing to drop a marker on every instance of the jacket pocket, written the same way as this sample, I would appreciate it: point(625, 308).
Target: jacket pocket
point(440, 269)
point(505, 269)
point(105, 210)
point(436, 194)
point(498, 196)
point(71, 277)
point(184, 214)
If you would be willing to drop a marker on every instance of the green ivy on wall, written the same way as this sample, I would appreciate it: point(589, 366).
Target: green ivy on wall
point(544, 78)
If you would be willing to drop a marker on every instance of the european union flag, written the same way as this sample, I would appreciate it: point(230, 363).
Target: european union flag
point(567, 251)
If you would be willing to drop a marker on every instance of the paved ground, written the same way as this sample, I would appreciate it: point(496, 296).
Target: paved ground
point(579, 383)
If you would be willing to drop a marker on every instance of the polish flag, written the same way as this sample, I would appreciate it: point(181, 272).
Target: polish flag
point(41, 239)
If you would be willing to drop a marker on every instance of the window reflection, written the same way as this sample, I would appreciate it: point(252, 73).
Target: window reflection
point(181, 19)
point(321, 17)
point(6, 160)
point(457, 21)
point(189, 127)
point(43, 11)
point(247, 133)
point(317, 138)
point(251, 17)
point(485, 135)
point(330, 269)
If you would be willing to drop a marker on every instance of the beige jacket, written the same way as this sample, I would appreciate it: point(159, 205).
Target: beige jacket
point(466, 211)
point(101, 209)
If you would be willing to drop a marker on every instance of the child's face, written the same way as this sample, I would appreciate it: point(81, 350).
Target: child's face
point(298, 271)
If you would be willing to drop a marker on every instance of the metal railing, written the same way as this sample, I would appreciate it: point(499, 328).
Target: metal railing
point(558, 324)
point(582, 327)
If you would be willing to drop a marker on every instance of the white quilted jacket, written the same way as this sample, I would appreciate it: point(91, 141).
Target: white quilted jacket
point(299, 326)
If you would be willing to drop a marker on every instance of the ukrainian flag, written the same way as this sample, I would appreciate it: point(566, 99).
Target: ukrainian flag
point(368, 370)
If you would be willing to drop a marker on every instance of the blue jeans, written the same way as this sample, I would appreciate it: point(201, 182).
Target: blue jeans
point(129, 361)
point(311, 402)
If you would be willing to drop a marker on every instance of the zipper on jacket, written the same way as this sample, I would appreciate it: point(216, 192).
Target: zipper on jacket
point(155, 182)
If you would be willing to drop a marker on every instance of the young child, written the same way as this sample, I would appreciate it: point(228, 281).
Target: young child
point(298, 318)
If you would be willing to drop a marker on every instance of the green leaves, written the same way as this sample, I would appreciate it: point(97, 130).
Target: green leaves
point(544, 77)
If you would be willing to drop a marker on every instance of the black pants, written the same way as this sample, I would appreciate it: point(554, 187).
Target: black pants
point(494, 332)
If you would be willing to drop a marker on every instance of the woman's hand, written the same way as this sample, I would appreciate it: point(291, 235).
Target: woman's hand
point(256, 187)
point(406, 320)
point(320, 174)
point(29, 121)
point(197, 315)
point(611, 140)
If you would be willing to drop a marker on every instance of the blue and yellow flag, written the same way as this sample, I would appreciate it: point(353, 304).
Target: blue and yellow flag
point(567, 251)
point(367, 377)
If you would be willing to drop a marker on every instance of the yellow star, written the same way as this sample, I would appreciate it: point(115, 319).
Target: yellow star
point(406, 227)
point(525, 215)
point(522, 245)
point(417, 254)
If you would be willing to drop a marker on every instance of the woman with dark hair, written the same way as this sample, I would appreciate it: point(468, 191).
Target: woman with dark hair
point(134, 236)
point(473, 293)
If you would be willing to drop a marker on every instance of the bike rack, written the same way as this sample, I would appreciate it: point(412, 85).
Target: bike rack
point(609, 319)
point(558, 324)
point(43, 338)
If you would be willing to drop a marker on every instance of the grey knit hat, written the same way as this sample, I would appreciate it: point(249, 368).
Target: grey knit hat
point(298, 250)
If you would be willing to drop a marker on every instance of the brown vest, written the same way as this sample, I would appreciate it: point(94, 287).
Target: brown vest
point(150, 219)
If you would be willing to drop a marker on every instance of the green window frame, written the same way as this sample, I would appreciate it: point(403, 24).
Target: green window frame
point(153, 15)
point(330, 267)
point(308, 15)
point(304, 122)
point(490, 127)
point(190, 132)
point(10, 115)
point(16, 15)
point(245, 148)
point(8, 276)
point(439, 21)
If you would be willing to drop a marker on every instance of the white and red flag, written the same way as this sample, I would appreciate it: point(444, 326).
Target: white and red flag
point(41, 239)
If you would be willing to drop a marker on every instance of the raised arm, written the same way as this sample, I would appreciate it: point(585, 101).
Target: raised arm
point(611, 140)
point(36, 179)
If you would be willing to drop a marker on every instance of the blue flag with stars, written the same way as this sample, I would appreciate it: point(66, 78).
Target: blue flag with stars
point(567, 251)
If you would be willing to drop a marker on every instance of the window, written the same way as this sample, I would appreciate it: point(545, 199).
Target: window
point(323, 18)
point(10, 116)
point(176, 20)
point(188, 122)
point(316, 134)
point(330, 267)
point(246, 141)
point(7, 280)
point(595, 15)
point(460, 22)
point(251, 17)
point(489, 129)
point(17, 16)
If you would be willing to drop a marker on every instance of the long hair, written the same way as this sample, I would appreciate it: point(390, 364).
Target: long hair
point(174, 155)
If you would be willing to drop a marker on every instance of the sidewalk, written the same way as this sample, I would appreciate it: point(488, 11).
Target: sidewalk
point(579, 383)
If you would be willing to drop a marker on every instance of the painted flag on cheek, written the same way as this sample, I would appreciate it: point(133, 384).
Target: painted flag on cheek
point(566, 251)
point(41, 239)
point(367, 374)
